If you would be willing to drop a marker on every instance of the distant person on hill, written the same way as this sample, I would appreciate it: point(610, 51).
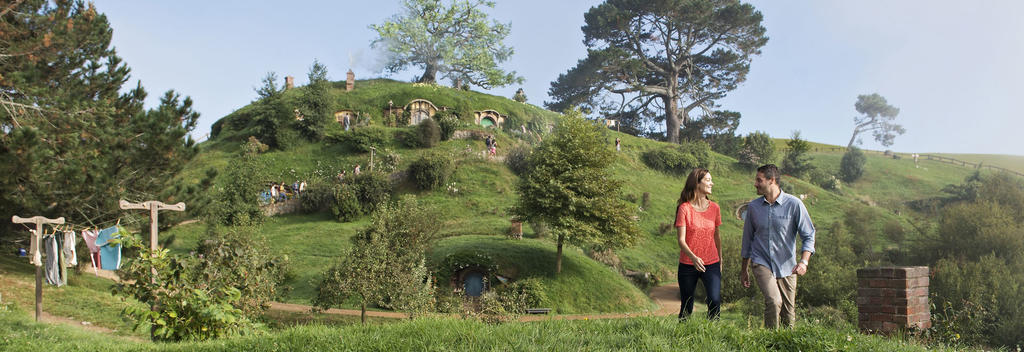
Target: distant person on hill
point(770, 229)
point(273, 193)
point(357, 170)
point(618, 145)
point(341, 176)
point(700, 246)
point(915, 160)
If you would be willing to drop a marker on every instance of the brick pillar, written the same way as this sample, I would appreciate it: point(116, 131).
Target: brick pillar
point(893, 298)
point(289, 82)
point(350, 81)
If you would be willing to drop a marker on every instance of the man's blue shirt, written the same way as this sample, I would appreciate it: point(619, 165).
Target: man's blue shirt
point(769, 233)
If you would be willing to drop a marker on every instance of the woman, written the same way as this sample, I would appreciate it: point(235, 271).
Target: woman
point(698, 219)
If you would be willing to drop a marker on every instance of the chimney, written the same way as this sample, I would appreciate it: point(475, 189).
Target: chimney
point(289, 82)
point(350, 81)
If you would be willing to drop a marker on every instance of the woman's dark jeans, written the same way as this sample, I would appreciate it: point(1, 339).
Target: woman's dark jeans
point(712, 278)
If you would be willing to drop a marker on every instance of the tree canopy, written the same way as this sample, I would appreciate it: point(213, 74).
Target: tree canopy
point(571, 189)
point(661, 60)
point(70, 143)
point(453, 40)
point(877, 117)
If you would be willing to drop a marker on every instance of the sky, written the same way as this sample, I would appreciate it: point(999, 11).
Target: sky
point(953, 68)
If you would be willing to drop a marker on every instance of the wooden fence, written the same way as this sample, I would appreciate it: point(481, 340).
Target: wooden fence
point(938, 158)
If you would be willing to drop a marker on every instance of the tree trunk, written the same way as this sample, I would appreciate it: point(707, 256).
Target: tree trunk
point(430, 74)
point(671, 119)
point(362, 313)
point(852, 139)
point(558, 257)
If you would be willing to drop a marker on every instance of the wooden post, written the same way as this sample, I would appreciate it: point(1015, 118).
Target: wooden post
point(372, 151)
point(153, 206)
point(39, 221)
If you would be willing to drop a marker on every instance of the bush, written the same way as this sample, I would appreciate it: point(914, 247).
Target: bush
point(448, 123)
point(669, 160)
point(824, 179)
point(797, 162)
point(185, 305)
point(237, 203)
point(318, 196)
point(346, 203)
point(361, 139)
point(851, 168)
point(408, 137)
point(430, 171)
point(240, 258)
point(679, 160)
point(428, 133)
point(518, 159)
point(388, 160)
point(371, 188)
point(758, 149)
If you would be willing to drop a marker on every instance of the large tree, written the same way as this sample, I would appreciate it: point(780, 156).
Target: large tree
point(877, 117)
point(453, 40)
point(572, 191)
point(661, 60)
point(70, 143)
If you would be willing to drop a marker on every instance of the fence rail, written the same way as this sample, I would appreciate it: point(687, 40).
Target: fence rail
point(938, 158)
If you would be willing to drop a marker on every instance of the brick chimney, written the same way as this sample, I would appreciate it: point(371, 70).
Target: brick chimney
point(350, 81)
point(893, 298)
point(289, 82)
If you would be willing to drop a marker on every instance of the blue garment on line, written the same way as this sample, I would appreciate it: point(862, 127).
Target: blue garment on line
point(110, 254)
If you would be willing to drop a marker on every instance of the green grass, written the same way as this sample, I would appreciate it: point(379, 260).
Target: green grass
point(583, 286)
point(1012, 162)
point(435, 334)
point(85, 297)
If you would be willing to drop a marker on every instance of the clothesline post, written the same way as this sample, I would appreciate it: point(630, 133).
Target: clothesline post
point(36, 239)
point(153, 206)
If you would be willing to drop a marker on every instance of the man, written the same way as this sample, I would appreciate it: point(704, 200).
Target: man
point(769, 241)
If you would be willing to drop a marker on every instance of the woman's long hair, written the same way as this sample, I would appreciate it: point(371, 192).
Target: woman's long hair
point(690, 187)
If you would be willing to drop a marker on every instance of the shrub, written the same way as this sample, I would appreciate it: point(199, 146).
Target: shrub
point(237, 203)
point(679, 160)
point(851, 168)
point(448, 123)
point(669, 160)
point(318, 196)
point(184, 305)
point(388, 160)
point(361, 139)
point(428, 133)
point(430, 171)
point(238, 257)
point(758, 149)
point(518, 159)
point(371, 188)
point(824, 179)
point(797, 162)
point(346, 203)
point(408, 137)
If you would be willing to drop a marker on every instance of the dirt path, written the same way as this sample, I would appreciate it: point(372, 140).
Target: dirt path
point(301, 308)
point(87, 326)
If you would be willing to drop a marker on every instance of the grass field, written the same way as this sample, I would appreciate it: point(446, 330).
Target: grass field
point(447, 334)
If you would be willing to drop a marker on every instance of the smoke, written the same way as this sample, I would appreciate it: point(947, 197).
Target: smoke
point(372, 60)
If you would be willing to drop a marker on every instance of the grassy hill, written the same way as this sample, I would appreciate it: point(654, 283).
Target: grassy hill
point(475, 218)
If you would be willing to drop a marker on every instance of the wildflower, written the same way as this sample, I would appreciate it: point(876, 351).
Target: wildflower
point(849, 338)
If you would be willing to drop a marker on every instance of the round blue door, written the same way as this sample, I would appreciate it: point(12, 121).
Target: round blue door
point(474, 284)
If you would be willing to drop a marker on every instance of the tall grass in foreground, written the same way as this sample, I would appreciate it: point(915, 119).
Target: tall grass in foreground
point(647, 334)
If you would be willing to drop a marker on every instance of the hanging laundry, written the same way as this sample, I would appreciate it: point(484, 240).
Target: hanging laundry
point(34, 257)
point(89, 236)
point(110, 253)
point(52, 266)
point(69, 249)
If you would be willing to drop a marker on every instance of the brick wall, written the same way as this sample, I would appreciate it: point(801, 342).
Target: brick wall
point(893, 298)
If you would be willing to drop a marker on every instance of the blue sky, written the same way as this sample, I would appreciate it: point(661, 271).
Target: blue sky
point(953, 68)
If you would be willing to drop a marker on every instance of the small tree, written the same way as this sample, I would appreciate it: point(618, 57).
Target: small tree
point(237, 203)
point(316, 102)
point(386, 263)
point(851, 168)
point(877, 117)
point(758, 149)
point(797, 162)
point(520, 96)
point(428, 133)
point(571, 189)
